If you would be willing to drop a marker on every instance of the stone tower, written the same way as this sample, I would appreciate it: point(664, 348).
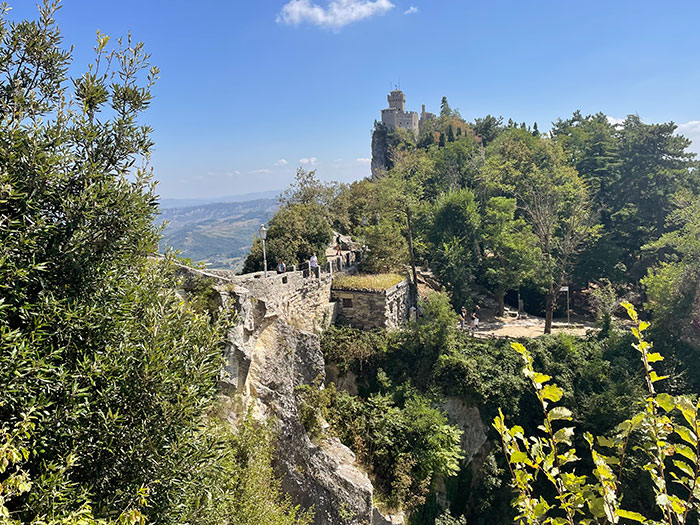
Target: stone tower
point(397, 100)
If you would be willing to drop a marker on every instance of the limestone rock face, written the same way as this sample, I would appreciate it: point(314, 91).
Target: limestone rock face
point(468, 419)
point(319, 475)
point(387, 519)
point(270, 352)
point(281, 358)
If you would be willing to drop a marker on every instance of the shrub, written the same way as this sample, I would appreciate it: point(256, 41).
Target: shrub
point(667, 431)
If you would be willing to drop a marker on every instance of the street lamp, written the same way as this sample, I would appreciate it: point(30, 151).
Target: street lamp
point(263, 235)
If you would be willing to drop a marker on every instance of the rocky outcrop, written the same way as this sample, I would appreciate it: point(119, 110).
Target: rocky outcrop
point(468, 419)
point(320, 475)
point(272, 350)
point(387, 519)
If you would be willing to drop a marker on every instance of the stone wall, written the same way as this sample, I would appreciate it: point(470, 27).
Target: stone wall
point(367, 309)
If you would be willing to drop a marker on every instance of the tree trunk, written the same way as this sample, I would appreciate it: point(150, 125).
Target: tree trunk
point(549, 311)
point(410, 249)
point(501, 301)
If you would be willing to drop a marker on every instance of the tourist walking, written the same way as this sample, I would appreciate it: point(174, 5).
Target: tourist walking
point(474, 323)
point(338, 246)
point(463, 318)
point(281, 267)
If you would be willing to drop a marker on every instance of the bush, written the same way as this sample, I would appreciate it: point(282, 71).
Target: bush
point(665, 430)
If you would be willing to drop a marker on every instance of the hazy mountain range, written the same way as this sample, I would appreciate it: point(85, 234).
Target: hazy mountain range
point(186, 203)
point(220, 233)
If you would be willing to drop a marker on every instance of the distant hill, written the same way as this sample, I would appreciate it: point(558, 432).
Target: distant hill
point(186, 203)
point(218, 234)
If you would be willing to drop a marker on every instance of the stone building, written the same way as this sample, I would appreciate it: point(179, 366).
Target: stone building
point(396, 116)
point(425, 118)
point(367, 309)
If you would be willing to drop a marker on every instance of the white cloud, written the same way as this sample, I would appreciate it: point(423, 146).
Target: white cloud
point(338, 13)
point(615, 121)
point(281, 162)
point(691, 130)
point(411, 10)
point(261, 172)
point(311, 161)
point(363, 160)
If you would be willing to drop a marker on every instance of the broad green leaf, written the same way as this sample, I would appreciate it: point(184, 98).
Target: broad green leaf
point(688, 409)
point(518, 348)
point(684, 467)
point(552, 393)
point(541, 378)
point(564, 435)
point(686, 452)
point(686, 434)
point(654, 377)
point(560, 413)
point(605, 442)
point(635, 516)
point(666, 401)
point(518, 457)
point(630, 310)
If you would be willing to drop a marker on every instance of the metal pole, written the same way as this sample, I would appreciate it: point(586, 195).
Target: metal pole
point(264, 258)
point(568, 312)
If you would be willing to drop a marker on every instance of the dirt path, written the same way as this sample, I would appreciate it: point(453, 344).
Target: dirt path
point(531, 326)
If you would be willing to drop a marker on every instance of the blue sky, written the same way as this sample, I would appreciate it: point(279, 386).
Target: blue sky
point(250, 90)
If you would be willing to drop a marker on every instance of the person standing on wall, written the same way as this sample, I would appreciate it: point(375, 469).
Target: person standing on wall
point(313, 265)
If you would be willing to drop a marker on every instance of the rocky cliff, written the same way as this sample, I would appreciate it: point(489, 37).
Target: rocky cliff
point(272, 349)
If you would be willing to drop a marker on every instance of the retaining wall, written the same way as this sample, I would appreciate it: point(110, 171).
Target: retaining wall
point(367, 309)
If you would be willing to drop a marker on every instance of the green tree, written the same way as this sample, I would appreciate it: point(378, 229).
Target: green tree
point(445, 110)
point(301, 227)
point(634, 171)
point(453, 237)
point(107, 374)
point(456, 167)
point(488, 128)
point(237, 484)
point(673, 287)
point(665, 431)
point(398, 194)
point(295, 232)
point(510, 248)
point(551, 197)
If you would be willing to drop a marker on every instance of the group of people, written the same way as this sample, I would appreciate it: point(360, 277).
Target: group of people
point(473, 320)
point(313, 265)
point(313, 260)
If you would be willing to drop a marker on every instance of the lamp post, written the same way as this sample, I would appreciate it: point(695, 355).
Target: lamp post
point(263, 236)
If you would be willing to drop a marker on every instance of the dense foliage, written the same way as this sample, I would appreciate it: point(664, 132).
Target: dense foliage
point(667, 442)
point(108, 377)
point(598, 375)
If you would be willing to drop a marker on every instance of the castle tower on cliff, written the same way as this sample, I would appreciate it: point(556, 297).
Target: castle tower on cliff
point(396, 116)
